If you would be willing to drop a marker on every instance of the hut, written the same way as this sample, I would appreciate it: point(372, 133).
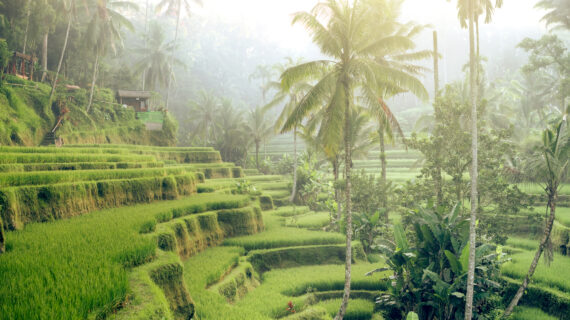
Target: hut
point(22, 65)
point(139, 100)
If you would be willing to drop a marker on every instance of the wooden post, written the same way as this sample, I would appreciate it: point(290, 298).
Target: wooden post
point(32, 68)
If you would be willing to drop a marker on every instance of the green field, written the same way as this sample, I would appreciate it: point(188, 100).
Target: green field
point(203, 250)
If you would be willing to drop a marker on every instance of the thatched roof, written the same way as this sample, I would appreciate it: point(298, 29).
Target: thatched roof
point(133, 94)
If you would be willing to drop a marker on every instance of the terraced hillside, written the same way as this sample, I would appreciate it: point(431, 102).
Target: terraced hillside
point(130, 232)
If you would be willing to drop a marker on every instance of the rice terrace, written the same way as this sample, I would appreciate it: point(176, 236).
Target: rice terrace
point(294, 160)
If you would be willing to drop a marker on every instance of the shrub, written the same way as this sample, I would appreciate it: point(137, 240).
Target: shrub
point(266, 202)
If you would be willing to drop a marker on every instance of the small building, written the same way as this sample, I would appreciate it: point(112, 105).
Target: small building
point(22, 65)
point(139, 100)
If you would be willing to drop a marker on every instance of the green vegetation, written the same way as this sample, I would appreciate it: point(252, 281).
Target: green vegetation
point(82, 280)
point(276, 236)
point(525, 313)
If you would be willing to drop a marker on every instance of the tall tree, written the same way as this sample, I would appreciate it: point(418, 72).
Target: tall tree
point(69, 7)
point(258, 129)
point(396, 53)
point(104, 32)
point(558, 14)
point(290, 99)
point(344, 31)
point(175, 7)
point(203, 121)
point(155, 64)
point(469, 10)
point(550, 167)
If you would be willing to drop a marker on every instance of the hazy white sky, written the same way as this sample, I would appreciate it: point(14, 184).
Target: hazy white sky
point(273, 17)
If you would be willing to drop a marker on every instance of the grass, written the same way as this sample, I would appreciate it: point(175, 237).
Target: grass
point(358, 309)
point(282, 285)
point(69, 268)
point(205, 269)
point(563, 216)
point(70, 157)
point(526, 313)
point(522, 243)
point(553, 276)
point(276, 236)
point(313, 220)
point(288, 211)
point(53, 177)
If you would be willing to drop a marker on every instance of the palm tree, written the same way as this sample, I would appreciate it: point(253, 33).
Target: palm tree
point(104, 31)
point(558, 15)
point(69, 7)
point(346, 32)
point(204, 111)
point(549, 166)
point(258, 129)
point(263, 73)
point(291, 99)
point(396, 54)
point(470, 10)
point(155, 64)
point(174, 6)
point(480, 7)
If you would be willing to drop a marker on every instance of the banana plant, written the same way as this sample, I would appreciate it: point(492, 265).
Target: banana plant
point(429, 271)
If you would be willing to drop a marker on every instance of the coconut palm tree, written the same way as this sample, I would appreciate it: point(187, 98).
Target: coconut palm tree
point(468, 12)
point(549, 167)
point(155, 63)
point(69, 8)
point(290, 99)
point(558, 14)
point(175, 7)
point(398, 55)
point(258, 129)
point(203, 121)
point(345, 32)
point(104, 32)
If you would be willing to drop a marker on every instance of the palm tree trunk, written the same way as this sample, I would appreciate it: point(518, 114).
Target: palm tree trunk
point(383, 165)
point(172, 59)
point(257, 155)
point(145, 41)
point(336, 168)
point(95, 67)
point(61, 57)
point(435, 65)
point(347, 164)
point(552, 197)
point(294, 191)
point(27, 26)
point(2, 240)
point(44, 56)
point(437, 180)
point(474, 172)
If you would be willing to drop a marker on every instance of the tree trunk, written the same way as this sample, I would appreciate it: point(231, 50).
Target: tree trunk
point(336, 193)
point(145, 41)
point(44, 56)
point(437, 180)
point(384, 195)
point(552, 197)
point(474, 172)
point(172, 60)
point(95, 67)
point(2, 240)
point(435, 65)
point(61, 57)
point(257, 155)
point(294, 191)
point(27, 27)
point(347, 165)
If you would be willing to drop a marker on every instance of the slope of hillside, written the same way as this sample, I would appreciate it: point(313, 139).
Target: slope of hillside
point(26, 118)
